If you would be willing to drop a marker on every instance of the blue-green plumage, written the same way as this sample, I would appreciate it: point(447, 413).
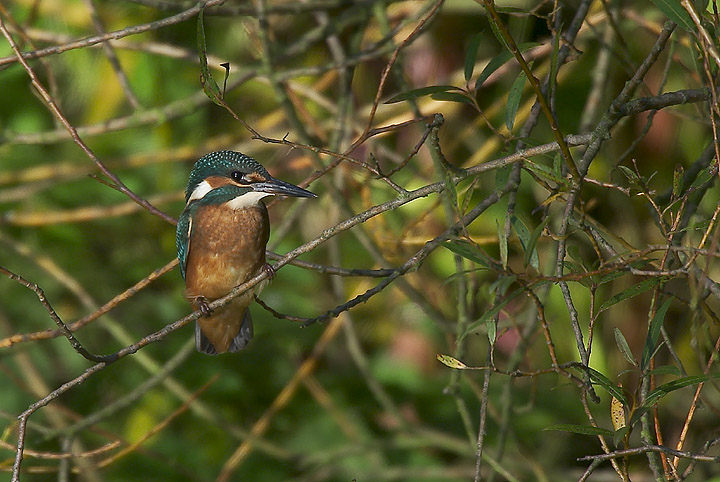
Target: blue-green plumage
point(181, 239)
point(221, 237)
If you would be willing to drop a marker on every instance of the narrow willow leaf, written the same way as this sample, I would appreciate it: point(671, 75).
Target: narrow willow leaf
point(612, 276)
point(521, 230)
point(422, 91)
point(531, 256)
point(573, 251)
point(206, 79)
point(475, 325)
point(513, 100)
point(624, 347)
point(675, 12)
point(657, 394)
point(579, 429)
point(629, 173)
point(637, 414)
point(619, 435)
point(468, 251)
point(630, 292)
point(605, 383)
point(500, 287)
point(573, 268)
point(451, 362)
point(703, 176)
point(653, 334)
point(615, 274)
point(498, 35)
point(498, 61)
point(677, 185)
point(471, 55)
point(491, 331)
point(666, 370)
point(532, 244)
point(452, 97)
point(502, 243)
point(544, 172)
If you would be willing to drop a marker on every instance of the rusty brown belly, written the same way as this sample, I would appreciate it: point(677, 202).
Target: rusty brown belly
point(226, 248)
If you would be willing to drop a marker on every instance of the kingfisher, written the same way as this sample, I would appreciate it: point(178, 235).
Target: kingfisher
point(221, 238)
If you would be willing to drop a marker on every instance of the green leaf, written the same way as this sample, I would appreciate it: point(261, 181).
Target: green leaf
point(573, 251)
point(579, 429)
point(655, 396)
point(637, 414)
point(513, 100)
point(498, 35)
point(675, 12)
point(502, 284)
point(605, 383)
point(471, 55)
point(502, 243)
point(677, 185)
point(544, 172)
point(206, 79)
point(421, 92)
point(523, 233)
point(521, 230)
point(612, 276)
point(624, 347)
point(489, 315)
point(498, 61)
point(666, 370)
point(491, 331)
point(653, 334)
point(629, 173)
point(619, 435)
point(630, 292)
point(468, 251)
point(573, 268)
point(703, 176)
point(452, 97)
point(532, 243)
point(451, 362)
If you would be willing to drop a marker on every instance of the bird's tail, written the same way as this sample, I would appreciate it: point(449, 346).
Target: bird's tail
point(222, 333)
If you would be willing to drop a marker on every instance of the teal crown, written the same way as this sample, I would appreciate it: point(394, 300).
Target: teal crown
point(222, 163)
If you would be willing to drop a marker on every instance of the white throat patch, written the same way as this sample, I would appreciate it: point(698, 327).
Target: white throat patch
point(247, 200)
point(200, 191)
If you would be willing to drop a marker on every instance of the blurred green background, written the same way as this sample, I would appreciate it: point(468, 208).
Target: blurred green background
point(361, 397)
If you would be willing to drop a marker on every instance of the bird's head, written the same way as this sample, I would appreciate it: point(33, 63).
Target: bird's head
point(224, 176)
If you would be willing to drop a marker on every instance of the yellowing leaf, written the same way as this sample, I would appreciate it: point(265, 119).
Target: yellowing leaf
point(617, 414)
point(451, 362)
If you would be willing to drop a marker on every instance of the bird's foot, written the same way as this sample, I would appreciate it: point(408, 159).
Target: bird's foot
point(203, 306)
point(267, 268)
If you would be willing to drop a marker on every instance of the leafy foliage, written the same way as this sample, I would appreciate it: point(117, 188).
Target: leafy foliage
point(496, 254)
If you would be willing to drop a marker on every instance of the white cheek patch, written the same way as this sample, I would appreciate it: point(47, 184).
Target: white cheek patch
point(200, 191)
point(247, 200)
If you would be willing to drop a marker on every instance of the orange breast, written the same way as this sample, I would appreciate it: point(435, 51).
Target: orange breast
point(227, 248)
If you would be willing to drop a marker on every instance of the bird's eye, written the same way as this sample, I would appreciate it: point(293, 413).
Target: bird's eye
point(239, 176)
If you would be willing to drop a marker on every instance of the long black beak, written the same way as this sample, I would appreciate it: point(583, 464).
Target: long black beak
point(282, 188)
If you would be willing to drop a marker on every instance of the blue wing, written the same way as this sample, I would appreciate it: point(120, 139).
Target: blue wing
point(182, 238)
